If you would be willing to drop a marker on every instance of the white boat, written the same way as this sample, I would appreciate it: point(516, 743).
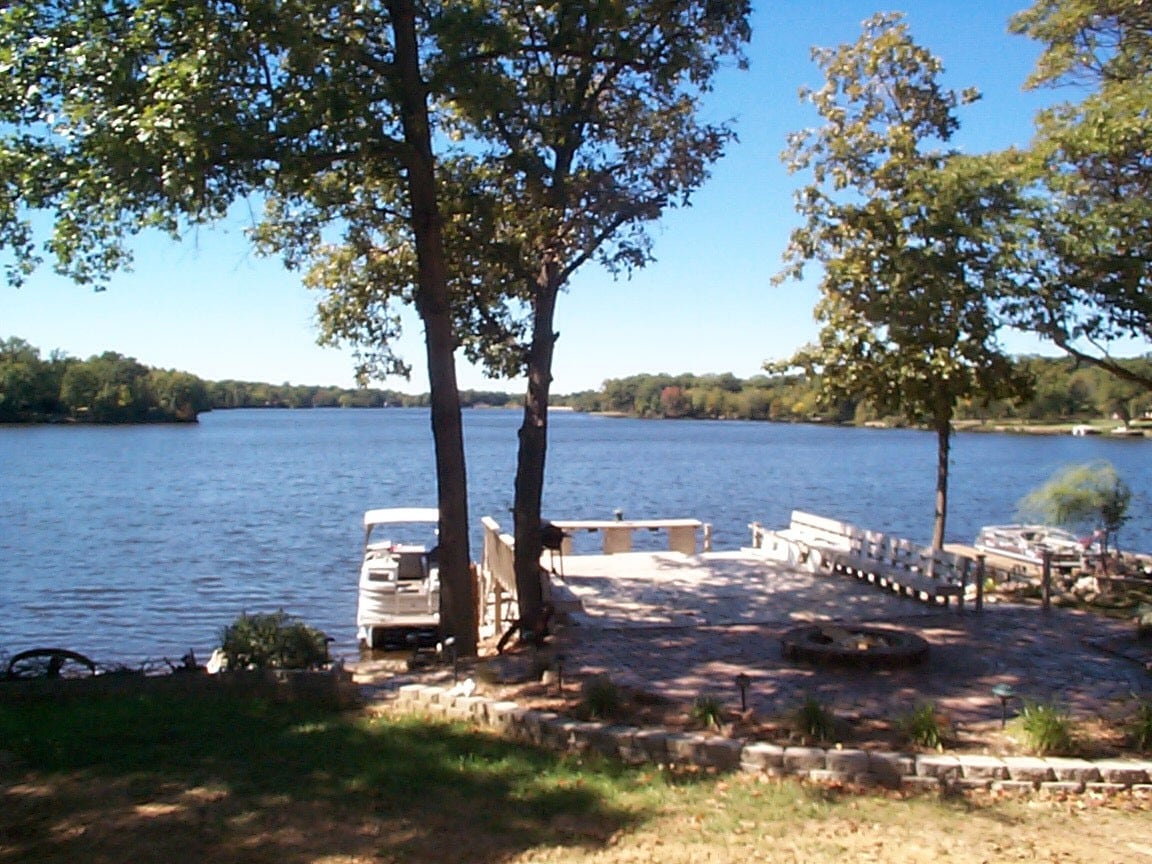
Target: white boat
point(1028, 542)
point(399, 598)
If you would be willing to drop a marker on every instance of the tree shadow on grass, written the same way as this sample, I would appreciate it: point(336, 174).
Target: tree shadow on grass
point(178, 779)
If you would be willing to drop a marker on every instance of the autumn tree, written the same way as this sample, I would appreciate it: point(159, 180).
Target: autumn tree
point(910, 267)
point(129, 116)
point(1091, 167)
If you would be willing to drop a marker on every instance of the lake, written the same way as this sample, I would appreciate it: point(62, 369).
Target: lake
point(140, 542)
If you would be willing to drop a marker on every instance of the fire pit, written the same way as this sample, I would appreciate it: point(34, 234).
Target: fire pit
point(854, 645)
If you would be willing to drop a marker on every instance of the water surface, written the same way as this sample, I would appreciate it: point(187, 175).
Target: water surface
point(139, 542)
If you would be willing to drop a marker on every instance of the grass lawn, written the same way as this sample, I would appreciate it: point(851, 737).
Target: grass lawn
point(173, 779)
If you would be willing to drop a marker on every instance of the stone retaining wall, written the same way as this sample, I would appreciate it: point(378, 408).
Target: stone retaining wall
point(636, 745)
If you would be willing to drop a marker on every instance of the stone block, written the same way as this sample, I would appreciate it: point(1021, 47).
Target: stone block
point(968, 783)
point(1013, 787)
point(591, 737)
point(1128, 772)
point(944, 768)
point(848, 762)
point(976, 767)
point(558, 733)
point(890, 767)
point(653, 743)
point(472, 707)
point(1105, 788)
point(804, 759)
point(615, 741)
point(534, 722)
point(722, 754)
point(1062, 787)
point(434, 695)
point(760, 755)
point(685, 748)
point(823, 775)
point(916, 783)
point(410, 693)
point(1030, 769)
point(1069, 770)
point(499, 715)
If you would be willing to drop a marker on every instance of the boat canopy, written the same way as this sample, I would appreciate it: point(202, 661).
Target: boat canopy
point(394, 515)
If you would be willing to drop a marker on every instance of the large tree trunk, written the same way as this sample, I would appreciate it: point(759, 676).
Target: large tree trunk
point(943, 424)
point(530, 458)
point(433, 301)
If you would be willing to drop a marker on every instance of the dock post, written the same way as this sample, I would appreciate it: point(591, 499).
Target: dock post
point(1046, 580)
point(980, 583)
point(707, 537)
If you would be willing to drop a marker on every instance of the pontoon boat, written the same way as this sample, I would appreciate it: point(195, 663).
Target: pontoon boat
point(399, 601)
point(1028, 542)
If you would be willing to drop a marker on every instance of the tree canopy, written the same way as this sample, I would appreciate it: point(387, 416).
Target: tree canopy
point(1089, 282)
point(129, 116)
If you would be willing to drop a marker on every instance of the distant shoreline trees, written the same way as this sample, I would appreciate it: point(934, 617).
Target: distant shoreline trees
point(110, 388)
point(32, 390)
point(1064, 392)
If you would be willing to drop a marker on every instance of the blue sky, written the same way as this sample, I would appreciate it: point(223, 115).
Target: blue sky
point(209, 306)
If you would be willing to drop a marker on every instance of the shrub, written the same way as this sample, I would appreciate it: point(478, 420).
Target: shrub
point(273, 640)
point(1046, 729)
point(924, 727)
point(708, 711)
point(1141, 730)
point(600, 699)
point(813, 720)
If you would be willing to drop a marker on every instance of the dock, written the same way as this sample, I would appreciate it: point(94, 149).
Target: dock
point(684, 624)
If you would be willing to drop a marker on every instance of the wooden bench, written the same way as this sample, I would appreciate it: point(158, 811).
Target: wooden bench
point(900, 566)
point(811, 542)
point(819, 544)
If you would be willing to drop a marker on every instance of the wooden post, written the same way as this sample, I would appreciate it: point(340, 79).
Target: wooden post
point(708, 537)
point(980, 583)
point(1046, 580)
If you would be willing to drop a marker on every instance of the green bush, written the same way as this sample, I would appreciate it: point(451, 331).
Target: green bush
point(601, 699)
point(1141, 730)
point(923, 727)
point(708, 711)
point(812, 720)
point(1045, 728)
point(273, 640)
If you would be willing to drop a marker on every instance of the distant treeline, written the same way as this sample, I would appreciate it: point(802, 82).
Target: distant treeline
point(112, 388)
point(1064, 391)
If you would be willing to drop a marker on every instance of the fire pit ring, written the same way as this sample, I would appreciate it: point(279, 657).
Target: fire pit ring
point(854, 645)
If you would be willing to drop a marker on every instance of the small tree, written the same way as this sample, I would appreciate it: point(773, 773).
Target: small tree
point(1081, 496)
point(901, 227)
